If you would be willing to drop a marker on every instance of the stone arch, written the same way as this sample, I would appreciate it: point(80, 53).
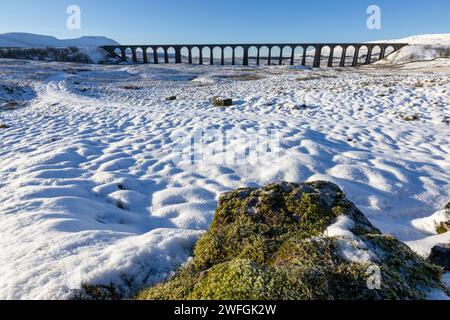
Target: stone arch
point(160, 54)
point(118, 53)
point(298, 55)
point(228, 55)
point(308, 56)
point(349, 55)
point(128, 54)
point(286, 55)
point(148, 55)
point(264, 55)
point(195, 53)
point(184, 54)
point(206, 55)
point(363, 53)
point(253, 55)
point(217, 55)
point(171, 54)
point(274, 55)
point(238, 55)
point(325, 54)
point(375, 54)
point(337, 56)
point(389, 50)
point(139, 55)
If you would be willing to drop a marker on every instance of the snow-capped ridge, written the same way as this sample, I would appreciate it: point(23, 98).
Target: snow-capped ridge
point(29, 40)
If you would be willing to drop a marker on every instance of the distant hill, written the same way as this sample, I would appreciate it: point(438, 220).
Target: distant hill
point(28, 40)
point(427, 47)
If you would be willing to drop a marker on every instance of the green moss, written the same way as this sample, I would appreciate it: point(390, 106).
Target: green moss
point(405, 274)
point(443, 227)
point(268, 244)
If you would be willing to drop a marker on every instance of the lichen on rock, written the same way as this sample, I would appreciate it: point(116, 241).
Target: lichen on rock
point(296, 241)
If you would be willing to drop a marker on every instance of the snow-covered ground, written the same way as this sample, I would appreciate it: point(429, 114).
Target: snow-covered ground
point(92, 187)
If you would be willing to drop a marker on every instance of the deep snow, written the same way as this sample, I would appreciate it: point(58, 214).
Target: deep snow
point(91, 188)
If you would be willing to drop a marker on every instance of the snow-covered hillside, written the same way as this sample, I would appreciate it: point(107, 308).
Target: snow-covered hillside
point(35, 47)
point(421, 47)
point(28, 40)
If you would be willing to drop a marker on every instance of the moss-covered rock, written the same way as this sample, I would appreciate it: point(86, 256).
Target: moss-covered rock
point(280, 242)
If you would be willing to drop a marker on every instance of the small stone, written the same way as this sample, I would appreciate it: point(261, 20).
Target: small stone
point(443, 227)
point(11, 105)
point(171, 98)
point(131, 87)
point(219, 102)
point(412, 117)
point(3, 126)
point(447, 207)
point(441, 256)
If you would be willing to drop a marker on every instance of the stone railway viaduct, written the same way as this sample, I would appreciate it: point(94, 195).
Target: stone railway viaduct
point(369, 52)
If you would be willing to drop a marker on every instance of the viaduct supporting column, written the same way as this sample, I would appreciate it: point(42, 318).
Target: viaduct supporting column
point(305, 49)
point(344, 56)
point(200, 58)
point(144, 53)
point(383, 52)
point(258, 56)
point(292, 56)
point(166, 55)
point(178, 55)
point(317, 57)
point(355, 57)
point(331, 57)
point(369, 55)
point(233, 59)
point(134, 55)
point(155, 56)
point(245, 58)
point(190, 55)
point(269, 58)
point(280, 60)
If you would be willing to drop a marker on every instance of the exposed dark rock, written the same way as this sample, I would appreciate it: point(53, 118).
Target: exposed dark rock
point(3, 126)
point(171, 98)
point(11, 105)
point(275, 243)
point(441, 256)
point(219, 102)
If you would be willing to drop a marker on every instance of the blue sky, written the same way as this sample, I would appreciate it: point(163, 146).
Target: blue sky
point(203, 21)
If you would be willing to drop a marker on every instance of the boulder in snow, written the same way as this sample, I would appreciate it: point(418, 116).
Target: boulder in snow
point(441, 256)
point(297, 241)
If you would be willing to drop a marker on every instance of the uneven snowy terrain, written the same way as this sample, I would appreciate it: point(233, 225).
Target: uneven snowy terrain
point(95, 184)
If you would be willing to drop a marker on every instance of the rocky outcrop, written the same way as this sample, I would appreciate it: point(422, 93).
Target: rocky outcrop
point(297, 241)
point(440, 256)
